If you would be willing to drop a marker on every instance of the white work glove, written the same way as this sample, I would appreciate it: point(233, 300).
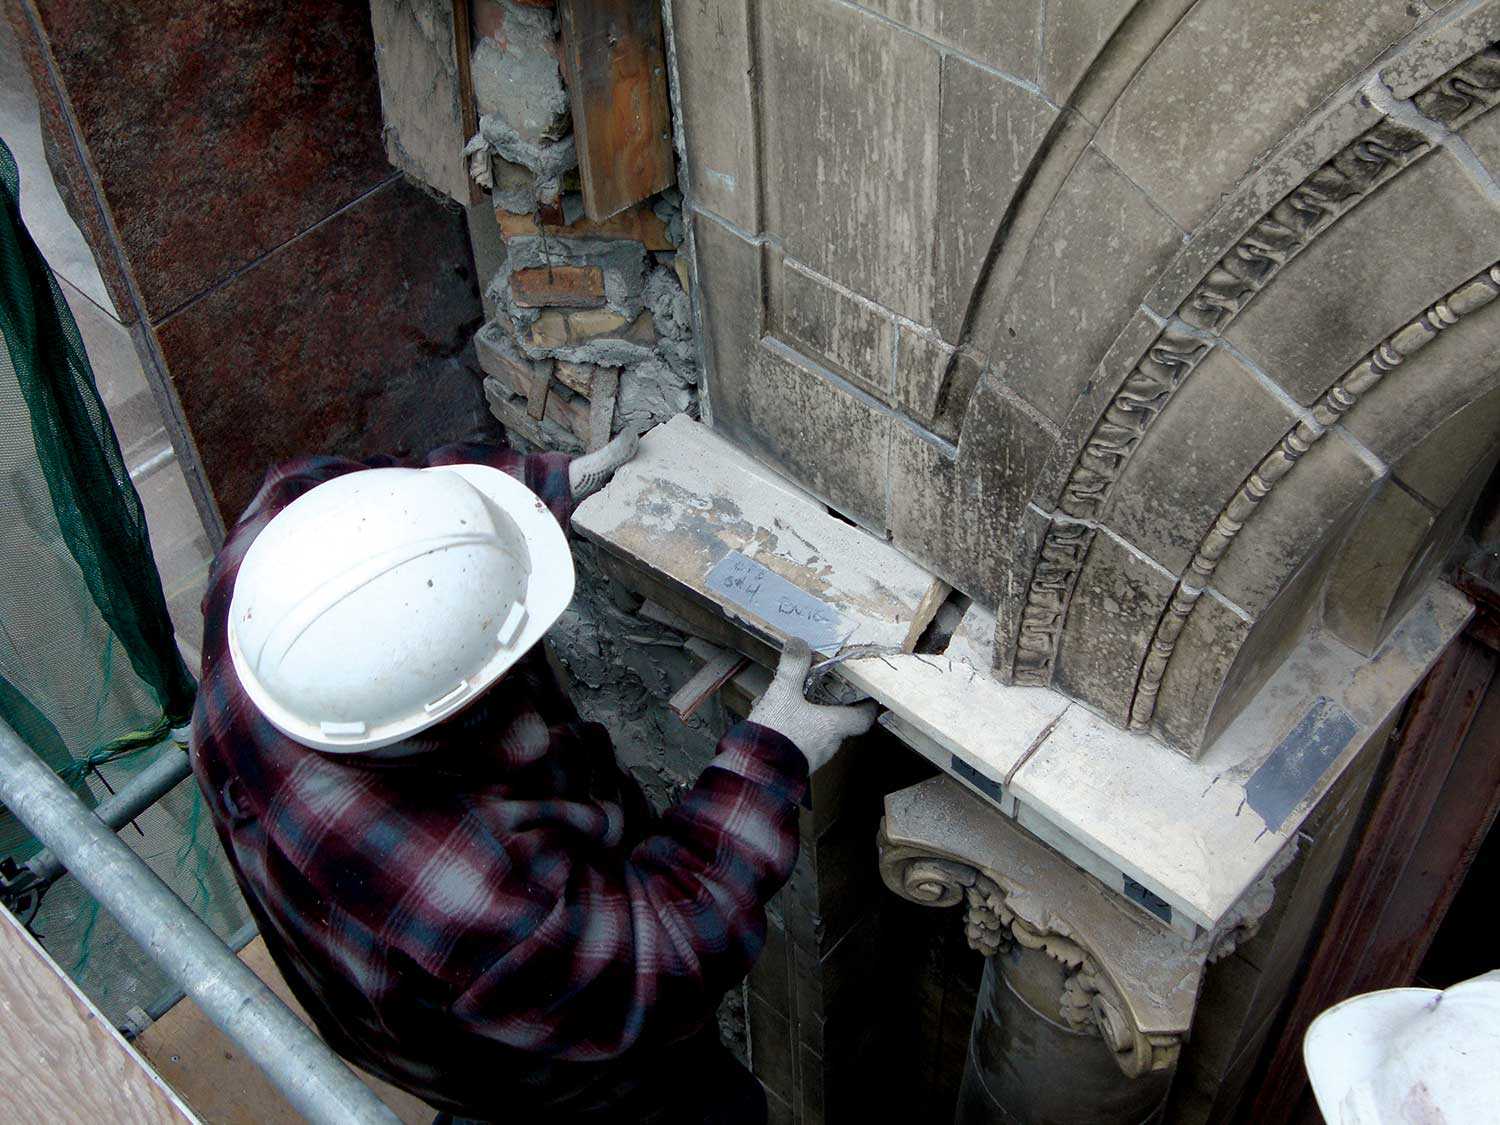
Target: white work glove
point(587, 474)
point(817, 730)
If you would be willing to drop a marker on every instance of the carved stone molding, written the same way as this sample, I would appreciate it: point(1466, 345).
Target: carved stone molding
point(1126, 977)
point(1277, 465)
point(1329, 192)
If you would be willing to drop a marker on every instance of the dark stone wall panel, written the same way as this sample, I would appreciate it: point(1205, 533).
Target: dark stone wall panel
point(218, 131)
point(342, 341)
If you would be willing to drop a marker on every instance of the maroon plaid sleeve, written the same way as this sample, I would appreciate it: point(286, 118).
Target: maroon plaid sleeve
point(640, 951)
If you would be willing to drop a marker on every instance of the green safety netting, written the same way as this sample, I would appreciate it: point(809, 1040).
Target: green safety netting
point(90, 673)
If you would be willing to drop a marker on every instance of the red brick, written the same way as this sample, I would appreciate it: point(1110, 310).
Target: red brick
point(638, 224)
point(569, 287)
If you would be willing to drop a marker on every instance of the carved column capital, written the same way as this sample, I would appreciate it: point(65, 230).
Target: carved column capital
point(1089, 1000)
point(1126, 978)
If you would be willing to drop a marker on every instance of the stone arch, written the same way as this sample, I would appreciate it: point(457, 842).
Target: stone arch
point(1034, 291)
point(1133, 601)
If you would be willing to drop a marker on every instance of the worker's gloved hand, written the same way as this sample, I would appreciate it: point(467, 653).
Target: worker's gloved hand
point(587, 474)
point(816, 730)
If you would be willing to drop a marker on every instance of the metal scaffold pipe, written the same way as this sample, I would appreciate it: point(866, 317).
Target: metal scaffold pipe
point(144, 790)
point(314, 1080)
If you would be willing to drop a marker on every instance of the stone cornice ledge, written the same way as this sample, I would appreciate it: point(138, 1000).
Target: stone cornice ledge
point(1184, 840)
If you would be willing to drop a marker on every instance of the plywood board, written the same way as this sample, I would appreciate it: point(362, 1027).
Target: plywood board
point(617, 87)
point(223, 1086)
point(60, 1060)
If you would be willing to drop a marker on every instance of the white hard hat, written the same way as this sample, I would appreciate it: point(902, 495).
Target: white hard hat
point(383, 601)
point(1409, 1055)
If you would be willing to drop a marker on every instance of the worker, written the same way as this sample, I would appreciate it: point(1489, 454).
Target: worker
point(468, 895)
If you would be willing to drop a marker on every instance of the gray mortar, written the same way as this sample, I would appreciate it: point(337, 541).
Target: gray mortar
point(522, 85)
point(650, 393)
point(548, 161)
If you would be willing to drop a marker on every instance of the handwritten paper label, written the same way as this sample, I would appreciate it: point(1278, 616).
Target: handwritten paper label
point(770, 597)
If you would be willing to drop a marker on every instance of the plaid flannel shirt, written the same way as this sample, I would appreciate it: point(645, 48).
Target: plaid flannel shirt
point(498, 924)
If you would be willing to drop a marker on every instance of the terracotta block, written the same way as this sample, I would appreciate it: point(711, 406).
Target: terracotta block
point(638, 224)
point(1217, 428)
point(571, 287)
point(577, 377)
point(555, 329)
point(1116, 605)
point(500, 358)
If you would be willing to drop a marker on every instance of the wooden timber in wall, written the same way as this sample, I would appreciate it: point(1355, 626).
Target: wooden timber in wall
point(617, 83)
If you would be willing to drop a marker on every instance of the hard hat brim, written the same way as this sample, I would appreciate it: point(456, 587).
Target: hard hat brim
point(549, 590)
point(1350, 1044)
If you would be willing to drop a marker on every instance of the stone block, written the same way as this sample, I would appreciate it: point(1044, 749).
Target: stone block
point(771, 1046)
point(999, 33)
point(345, 361)
point(1115, 606)
point(1223, 660)
point(575, 287)
point(1211, 639)
point(635, 224)
point(1215, 429)
point(1430, 387)
point(1074, 33)
point(1483, 136)
point(830, 439)
point(955, 511)
point(1386, 540)
point(835, 330)
point(771, 976)
point(561, 329)
point(1096, 253)
point(1327, 484)
point(214, 137)
point(856, 209)
point(1260, 64)
point(1024, 548)
point(715, 103)
point(1417, 238)
point(730, 277)
point(1437, 468)
point(933, 382)
point(988, 132)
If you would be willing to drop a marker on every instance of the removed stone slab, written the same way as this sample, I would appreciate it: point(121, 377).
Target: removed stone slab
point(725, 532)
